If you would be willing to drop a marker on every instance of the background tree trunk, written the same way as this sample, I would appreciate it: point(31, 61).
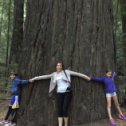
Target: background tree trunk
point(78, 32)
point(1, 19)
point(8, 41)
point(17, 36)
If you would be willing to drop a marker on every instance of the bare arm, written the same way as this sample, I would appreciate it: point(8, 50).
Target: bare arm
point(79, 75)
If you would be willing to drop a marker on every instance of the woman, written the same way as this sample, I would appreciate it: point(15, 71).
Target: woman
point(62, 80)
point(110, 91)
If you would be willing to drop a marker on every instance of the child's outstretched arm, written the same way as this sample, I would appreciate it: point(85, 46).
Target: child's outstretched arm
point(114, 74)
point(24, 82)
point(21, 82)
point(97, 79)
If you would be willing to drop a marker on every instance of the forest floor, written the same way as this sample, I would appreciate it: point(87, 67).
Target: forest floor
point(5, 99)
point(4, 102)
point(105, 122)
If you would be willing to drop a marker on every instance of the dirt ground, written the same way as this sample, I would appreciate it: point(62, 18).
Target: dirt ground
point(4, 106)
point(106, 123)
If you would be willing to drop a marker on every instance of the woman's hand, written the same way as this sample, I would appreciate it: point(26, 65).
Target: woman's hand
point(89, 78)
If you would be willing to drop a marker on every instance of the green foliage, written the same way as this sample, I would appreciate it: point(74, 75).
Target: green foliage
point(4, 78)
point(117, 12)
point(4, 9)
point(13, 67)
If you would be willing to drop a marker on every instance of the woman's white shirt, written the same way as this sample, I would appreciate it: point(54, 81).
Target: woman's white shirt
point(62, 84)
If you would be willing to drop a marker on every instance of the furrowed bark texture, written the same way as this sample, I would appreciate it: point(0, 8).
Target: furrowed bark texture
point(78, 32)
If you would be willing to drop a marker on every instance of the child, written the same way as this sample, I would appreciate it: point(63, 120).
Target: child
point(110, 91)
point(15, 100)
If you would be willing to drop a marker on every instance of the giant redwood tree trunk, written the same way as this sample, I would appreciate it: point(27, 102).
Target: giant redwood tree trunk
point(78, 32)
point(123, 15)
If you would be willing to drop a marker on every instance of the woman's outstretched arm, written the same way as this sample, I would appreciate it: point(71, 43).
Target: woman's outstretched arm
point(79, 75)
point(41, 77)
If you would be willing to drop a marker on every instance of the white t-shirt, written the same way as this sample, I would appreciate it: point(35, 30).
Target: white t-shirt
point(62, 85)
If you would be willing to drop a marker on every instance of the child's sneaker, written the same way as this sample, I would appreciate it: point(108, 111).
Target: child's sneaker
point(14, 124)
point(4, 122)
point(10, 124)
point(122, 117)
point(112, 122)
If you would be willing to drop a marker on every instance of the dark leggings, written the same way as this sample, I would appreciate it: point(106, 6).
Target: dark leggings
point(13, 113)
point(8, 113)
point(63, 100)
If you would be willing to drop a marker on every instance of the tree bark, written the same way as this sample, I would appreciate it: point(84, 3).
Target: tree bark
point(123, 15)
point(78, 32)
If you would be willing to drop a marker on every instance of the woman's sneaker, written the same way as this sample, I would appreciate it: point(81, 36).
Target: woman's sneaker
point(122, 117)
point(112, 122)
